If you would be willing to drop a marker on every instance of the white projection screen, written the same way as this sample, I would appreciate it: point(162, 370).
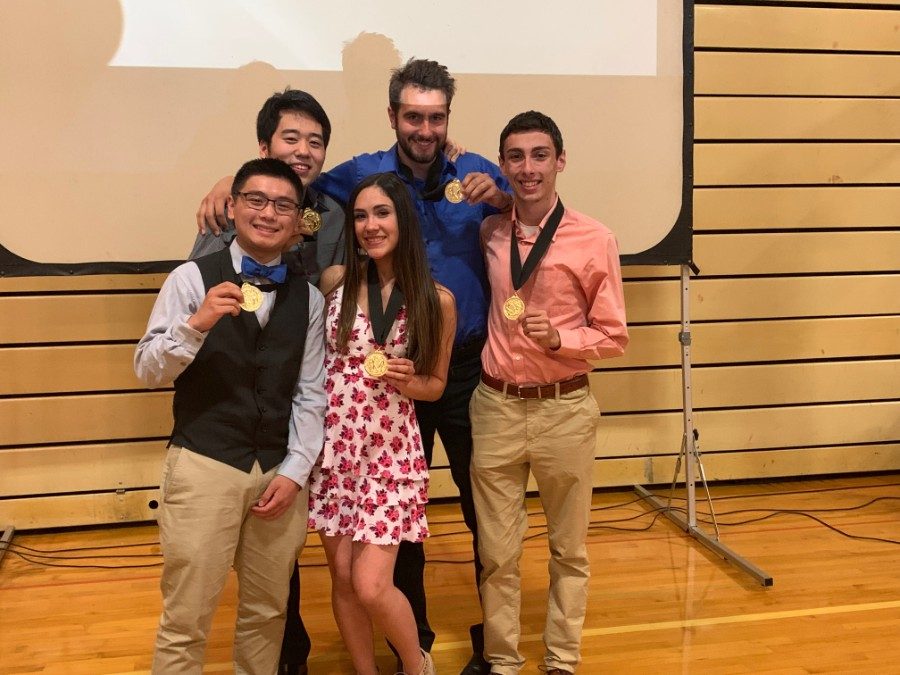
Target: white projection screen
point(118, 115)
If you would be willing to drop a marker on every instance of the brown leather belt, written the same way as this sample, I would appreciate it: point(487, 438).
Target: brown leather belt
point(537, 390)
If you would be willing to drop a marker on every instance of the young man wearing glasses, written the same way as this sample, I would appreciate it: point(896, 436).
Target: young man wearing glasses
point(291, 126)
point(240, 334)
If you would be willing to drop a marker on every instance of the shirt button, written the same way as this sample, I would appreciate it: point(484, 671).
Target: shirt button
point(518, 357)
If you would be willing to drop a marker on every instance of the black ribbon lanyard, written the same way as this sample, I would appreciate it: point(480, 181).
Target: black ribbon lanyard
point(434, 188)
point(520, 273)
point(382, 319)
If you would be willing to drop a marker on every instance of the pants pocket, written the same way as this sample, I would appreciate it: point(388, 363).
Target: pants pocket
point(168, 472)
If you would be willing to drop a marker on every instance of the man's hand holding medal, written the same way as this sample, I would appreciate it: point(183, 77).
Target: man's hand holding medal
point(226, 298)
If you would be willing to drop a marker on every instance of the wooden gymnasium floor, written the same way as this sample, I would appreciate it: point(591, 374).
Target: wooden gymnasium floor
point(659, 602)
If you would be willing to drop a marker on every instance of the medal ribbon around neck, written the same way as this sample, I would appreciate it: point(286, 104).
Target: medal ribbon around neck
point(513, 307)
point(433, 190)
point(382, 319)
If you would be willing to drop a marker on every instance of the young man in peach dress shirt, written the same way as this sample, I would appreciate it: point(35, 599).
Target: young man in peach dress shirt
point(556, 302)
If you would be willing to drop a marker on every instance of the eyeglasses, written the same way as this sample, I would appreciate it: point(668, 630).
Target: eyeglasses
point(258, 202)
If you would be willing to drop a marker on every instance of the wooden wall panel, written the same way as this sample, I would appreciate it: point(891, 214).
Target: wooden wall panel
point(741, 342)
point(771, 463)
point(83, 468)
point(58, 369)
point(80, 468)
point(86, 368)
point(75, 318)
point(796, 163)
point(768, 208)
point(759, 341)
point(795, 28)
point(862, 3)
point(797, 252)
point(744, 118)
point(796, 74)
point(97, 508)
point(748, 385)
point(764, 297)
point(67, 419)
point(753, 428)
point(84, 282)
point(136, 505)
point(802, 461)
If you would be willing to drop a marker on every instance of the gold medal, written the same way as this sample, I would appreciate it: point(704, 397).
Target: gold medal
point(253, 297)
point(376, 363)
point(513, 307)
point(453, 191)
point(312, 220)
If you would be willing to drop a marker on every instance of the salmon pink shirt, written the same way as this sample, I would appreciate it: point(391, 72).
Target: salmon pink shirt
point(578, 283)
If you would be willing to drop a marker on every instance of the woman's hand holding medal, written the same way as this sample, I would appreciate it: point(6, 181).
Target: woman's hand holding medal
point(400, 373)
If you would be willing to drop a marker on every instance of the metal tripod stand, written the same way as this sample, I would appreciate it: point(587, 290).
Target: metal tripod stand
point(690, 456)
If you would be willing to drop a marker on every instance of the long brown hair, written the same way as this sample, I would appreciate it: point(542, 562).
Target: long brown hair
point(424, 320)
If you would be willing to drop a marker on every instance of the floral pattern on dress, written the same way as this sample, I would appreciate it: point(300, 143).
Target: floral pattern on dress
point(371, 480)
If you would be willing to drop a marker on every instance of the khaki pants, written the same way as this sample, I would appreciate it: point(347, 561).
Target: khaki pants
point(205, 527)
point(555, 439)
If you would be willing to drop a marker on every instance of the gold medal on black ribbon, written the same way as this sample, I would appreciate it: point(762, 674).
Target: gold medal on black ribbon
point(312, 220)
point(376, 363)
point(253, 297)
point(514, 306)
point(453, 191)
point(381, 318)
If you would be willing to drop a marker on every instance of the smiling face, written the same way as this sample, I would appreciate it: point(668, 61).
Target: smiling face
point(421, 121)
point(530, 164)
point(375, 223)
point(299, 142)
point(264, 234)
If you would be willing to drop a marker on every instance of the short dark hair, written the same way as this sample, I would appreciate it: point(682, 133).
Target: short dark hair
point(289, 100)
point(267, 166)
point(423, 74)
point(532, 121)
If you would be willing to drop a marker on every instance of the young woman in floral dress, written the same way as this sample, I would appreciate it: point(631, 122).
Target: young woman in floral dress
point(389, 331)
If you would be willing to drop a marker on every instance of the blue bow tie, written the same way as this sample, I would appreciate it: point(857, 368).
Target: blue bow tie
point(251, 268)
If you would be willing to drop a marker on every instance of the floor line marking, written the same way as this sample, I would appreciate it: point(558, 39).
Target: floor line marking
point(711, 621)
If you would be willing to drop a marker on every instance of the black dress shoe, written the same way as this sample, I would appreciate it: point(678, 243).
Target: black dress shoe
point(476, 666)
point(292, 669)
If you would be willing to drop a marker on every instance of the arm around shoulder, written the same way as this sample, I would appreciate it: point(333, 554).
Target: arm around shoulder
point(331, 278)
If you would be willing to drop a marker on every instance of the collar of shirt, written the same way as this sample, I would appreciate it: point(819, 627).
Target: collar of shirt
point(390, 162)
point(525, 232)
